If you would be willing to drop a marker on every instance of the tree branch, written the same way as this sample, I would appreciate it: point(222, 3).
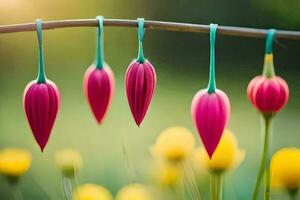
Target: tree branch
point(159, 25)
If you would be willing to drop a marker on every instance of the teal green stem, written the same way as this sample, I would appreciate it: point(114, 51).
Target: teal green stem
point(265, 160)
point(141, 58)
point(269, 41)
point(216, 186)
point(212, 73)
point(41, 74)
point(100, 51)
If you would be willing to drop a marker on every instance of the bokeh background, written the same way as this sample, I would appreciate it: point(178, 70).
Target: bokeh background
point(181, 61)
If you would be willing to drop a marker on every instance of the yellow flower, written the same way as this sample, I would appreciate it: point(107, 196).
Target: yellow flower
point(133, 192)
point(174, 144)
point(68, 160)
point(227, 155)
point(91, 192)
point(167, 175)
point(14, 162)
point(285, 169)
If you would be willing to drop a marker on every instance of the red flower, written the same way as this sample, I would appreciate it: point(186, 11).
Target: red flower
point(41, 100)
point(41, 103)
point(99, 89)
point(140, 84)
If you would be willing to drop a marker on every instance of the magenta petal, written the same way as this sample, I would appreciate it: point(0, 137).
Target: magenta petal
point(210, 113)
point(99, 89)
point(140, 84)
point(268, 95)
point(41, 104)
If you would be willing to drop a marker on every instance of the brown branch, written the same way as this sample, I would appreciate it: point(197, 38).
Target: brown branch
point(160, 25)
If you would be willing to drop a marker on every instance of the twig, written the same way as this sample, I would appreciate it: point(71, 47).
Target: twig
point(159, 25)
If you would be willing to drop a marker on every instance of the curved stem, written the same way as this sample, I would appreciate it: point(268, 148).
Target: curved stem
point(100, 54)
point(141, 58)
point(216, 186)
point(41, 74)
point(212, 77)
point(264, 164)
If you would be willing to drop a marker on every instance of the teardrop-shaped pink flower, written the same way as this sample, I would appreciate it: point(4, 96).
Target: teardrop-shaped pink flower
point(41, 103)
point(210, 113)
point(140, 84)
point(99, 89)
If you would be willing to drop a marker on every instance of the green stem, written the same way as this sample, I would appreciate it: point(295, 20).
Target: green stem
point(293, 194)
point(269, 41)
point(100, 54)
point(268, 69)
point(68, 187)
point(216, 186)
point(41, 74)
point(141, 58)
point(131, 171)
point(264, 164)
point(212, 77)
point(17, 194)
point(189, 178)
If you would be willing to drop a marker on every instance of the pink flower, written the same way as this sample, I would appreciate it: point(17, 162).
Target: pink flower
point(99, 89)
point(140, 84)
point(210, 107)
point(210, 113)
point(41, 104)
point(268, 93)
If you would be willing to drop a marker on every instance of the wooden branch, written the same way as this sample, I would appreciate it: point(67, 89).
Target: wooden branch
point(159, 25)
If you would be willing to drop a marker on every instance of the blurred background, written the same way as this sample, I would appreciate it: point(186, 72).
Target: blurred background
point(181, 61)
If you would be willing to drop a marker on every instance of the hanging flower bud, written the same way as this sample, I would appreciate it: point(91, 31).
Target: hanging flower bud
point(140, 81)
point(99, 81)
point(210, 107)
point(41, 100)
point(268, 93)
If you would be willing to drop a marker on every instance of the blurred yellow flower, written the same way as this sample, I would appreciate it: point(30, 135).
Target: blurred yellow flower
point(227, 155)
point(285, 169)
point(14, 162)
point(167, 175)
point(133, 192)
point(174, 144)
point(68, 160)
point(91, 192)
